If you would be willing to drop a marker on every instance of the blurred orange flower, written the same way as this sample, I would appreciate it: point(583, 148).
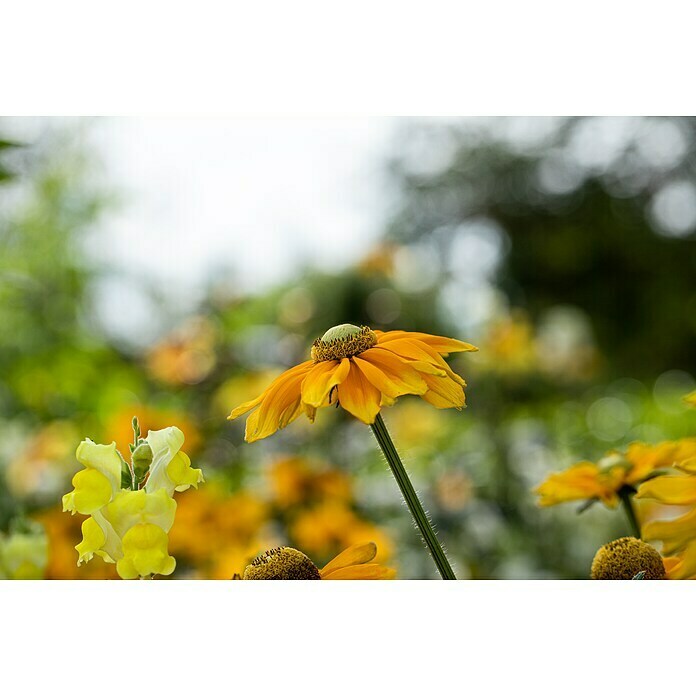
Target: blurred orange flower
point(187, 355)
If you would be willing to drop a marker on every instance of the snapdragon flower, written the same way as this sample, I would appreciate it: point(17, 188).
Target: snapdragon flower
point(130, 506)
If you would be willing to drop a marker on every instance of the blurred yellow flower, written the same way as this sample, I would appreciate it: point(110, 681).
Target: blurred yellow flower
point(509, 345)
point(379, 261)
point(129, 526)
point(690, 399)
point(604, 480)
point(23, 555)
point(44, 464)
point(366, 369)
point(286, 563)
point(331, 525)
point(215, 523)
point(297, 480)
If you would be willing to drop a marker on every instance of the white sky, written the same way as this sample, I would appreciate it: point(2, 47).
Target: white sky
point(258, 197)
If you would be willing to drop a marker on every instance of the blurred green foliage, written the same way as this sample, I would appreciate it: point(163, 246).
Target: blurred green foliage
point(549, 260)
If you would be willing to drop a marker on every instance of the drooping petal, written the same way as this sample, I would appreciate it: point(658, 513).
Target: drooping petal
point(280, 406)
point(674, 534)
point(671, 490)
point(321, 379)
point(392, 376)
point(369, 571)
point(145, 552)
point(354, 555)
point(441, 344)
point(444, 392)
point(249, 405)
point(358, 396)
point(421, 353)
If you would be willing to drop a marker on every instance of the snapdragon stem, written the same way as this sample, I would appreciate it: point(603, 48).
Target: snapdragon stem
point(411, 497)
point(625, 496)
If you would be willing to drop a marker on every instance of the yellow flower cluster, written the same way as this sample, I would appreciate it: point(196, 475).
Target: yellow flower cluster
point(604, 480)
point(129, 526)
point(678, 535)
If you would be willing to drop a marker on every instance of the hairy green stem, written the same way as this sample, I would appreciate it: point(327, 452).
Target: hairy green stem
point(411, 498)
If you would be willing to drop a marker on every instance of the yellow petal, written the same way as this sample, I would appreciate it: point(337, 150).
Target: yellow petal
point(145, 553)
point(321, 379)
point(354, 555)
point(358, 396)
point(686, 568)
point(419, 352)
point(102, 458)
point(131, 508)
point(369, 571)
point(674, 534)
point(93, 539)
point(181, 474)
point(671, 490)
point(92, 491)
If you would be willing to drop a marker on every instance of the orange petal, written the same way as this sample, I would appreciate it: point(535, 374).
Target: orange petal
point(441, 344)
point(390, 383)
point(369, 571)
point(353, 555)
point(420, 352)
point(321, 379)
point(443, 392)
point(280, 406)
point(358, 396)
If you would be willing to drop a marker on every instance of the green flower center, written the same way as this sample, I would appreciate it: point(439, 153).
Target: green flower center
point(283, 563)
point(343, 341)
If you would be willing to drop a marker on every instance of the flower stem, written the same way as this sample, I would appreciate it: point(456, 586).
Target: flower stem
point(625, 495)
point(411, 498)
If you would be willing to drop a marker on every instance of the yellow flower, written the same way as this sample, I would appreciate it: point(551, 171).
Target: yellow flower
point(603, 481)
point(678, 535)
point(23, 555)
point(285, 563)
point(129, 527)
point(690, 399)
point(362, 370)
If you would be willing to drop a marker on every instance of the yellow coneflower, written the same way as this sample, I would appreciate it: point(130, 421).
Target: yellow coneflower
point(364, 370)
point(286, 563)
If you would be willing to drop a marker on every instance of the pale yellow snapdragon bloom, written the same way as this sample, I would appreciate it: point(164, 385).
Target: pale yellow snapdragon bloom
point(129, 525)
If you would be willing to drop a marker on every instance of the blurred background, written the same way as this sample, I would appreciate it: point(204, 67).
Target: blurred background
point(171, 268)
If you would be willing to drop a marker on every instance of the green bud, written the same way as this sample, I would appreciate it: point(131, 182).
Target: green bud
point(142, 459)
